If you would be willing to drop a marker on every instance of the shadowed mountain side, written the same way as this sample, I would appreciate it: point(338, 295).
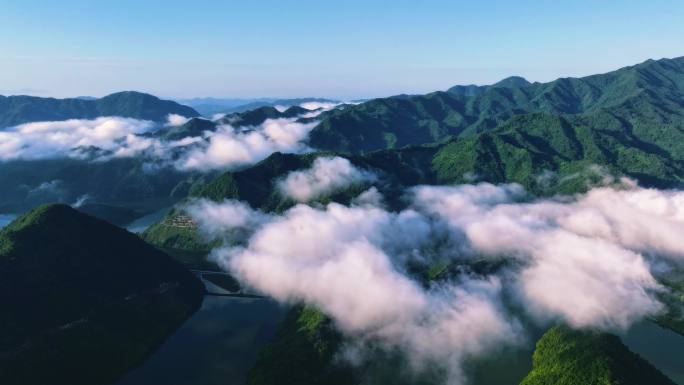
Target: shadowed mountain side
point(84, 300)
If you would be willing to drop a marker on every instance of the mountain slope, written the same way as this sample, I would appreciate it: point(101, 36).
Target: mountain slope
point(641, 95)
point(567, 357)
point(83, 300)
point(123, 182)
point(474, 90)
point(15, 110)
point(211, 106)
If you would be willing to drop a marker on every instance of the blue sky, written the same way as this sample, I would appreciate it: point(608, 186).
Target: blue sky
point(342, 49)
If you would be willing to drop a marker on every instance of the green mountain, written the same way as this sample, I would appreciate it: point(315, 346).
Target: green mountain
point(475, 90)
point(303, 353)
point(569, 357)
point(644, 99)
point(122, 182)
point(193, 127)
point(83, 300)
point(16, 110)
point(211, 106)
point(259, 115)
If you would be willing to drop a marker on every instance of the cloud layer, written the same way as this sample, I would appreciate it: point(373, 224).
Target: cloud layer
point(326, 175)
point(70, 138)
point(114, 137)
point(229, 147)
point(588, 261)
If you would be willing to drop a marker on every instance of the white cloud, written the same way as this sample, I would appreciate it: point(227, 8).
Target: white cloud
point(326, 175)
point(572, 271)
point(347, 262)
point(176, 120)
point(44, 140)
point(230, 147)
point(325, 106)
point(114, 137)
point(585, 260)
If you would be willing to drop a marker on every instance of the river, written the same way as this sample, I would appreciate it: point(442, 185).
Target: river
point(219, 343)
point(6, 219)
point(215, 346)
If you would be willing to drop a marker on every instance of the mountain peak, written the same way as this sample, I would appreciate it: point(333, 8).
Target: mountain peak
point(512, 82)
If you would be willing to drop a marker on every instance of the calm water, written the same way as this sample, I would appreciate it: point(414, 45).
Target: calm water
point(141, 224)
point(6, 219)
point(217, 345)
point(221, 341)
point(661, 347)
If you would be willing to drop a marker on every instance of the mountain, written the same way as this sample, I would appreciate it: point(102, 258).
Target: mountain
point(645, 99)
point(559, 137)
point(475, 90)
point(569, 357)
point(303, 353)
point(83, 300)
point(15, 110)
point(258, 115)
point(212, 106)
point(193, 127)
point(122, 182)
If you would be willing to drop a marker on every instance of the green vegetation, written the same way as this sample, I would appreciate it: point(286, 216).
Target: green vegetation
point(16, 110)
point(302, 353)
point(83, 300)
point(122, 182)
point(568, 357)
point(642, 103)
point(673, 298)
point(211, 106)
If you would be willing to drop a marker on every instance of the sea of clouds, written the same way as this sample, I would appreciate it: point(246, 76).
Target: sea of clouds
point(590, 261)
point(105, 138)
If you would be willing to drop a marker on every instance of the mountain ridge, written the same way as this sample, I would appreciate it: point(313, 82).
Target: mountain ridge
point(15, 110)
point(648, 91)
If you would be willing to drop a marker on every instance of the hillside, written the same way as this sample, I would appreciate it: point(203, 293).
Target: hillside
point(568, 357)
point(475, 90)
point(123, 182)
point(15, 110)
point(211, 106)
point(546, 154)
point(645, 99)
point(83, 300)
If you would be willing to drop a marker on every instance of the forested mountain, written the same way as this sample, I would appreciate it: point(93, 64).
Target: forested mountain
point(16, 110)
point(83, 300)
point(644, 101)
point(124, 182)
point(571, 357)
point(474, 90)
point(211, 106)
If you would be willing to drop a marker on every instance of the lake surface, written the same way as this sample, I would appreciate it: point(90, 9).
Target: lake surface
point(217, 345)
point(141, 224)
point(6, 219)
point(661, 347)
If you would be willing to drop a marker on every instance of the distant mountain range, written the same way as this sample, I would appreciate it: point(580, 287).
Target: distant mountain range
point(211, 106)
point(15, 110)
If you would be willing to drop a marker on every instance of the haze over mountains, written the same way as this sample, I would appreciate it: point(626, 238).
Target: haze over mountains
point(422, 232)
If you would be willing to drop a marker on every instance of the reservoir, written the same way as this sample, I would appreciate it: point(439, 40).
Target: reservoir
point(220, 342)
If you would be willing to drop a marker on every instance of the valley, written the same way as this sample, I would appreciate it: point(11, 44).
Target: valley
point(514, 233)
